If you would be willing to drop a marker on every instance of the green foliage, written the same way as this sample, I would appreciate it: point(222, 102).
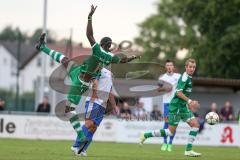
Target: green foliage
point(211, 29)
point(35, 36)
point(12, 34)
point(8, 97)
point(26, 101)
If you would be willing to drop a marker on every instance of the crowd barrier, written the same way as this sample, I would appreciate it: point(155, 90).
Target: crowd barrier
point(112, 130)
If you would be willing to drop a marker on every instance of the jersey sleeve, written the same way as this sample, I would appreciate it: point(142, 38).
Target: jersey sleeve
point(96, 49)
point(115, 59)
point(161, 77)
point(161, 80)
point(182, 83)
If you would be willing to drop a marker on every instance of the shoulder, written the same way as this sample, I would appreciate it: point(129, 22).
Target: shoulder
point(95, 44)
point(177, 75)
point(111, 54)
point(184, 77)
point(162, 76)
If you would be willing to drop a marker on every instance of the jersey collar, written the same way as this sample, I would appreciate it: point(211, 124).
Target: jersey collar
point(169, 74)
point(187, 74)
point(109, 53)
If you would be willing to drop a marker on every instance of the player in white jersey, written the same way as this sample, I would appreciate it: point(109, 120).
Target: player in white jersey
point(95, 108)
point(171, 78)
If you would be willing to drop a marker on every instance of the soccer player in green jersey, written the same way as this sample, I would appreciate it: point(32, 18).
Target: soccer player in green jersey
point(82, 75)
point(181, 107)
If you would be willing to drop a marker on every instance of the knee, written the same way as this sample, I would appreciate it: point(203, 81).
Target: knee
point(93, 128)
point(166, 119)
point(169, 132)
point(91, 125)
point(195, 124)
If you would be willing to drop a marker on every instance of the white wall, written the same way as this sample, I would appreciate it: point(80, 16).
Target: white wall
point(8, 70)
point(32, 71)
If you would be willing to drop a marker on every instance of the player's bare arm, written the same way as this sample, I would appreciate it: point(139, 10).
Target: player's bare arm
point(94, 90)
point(164, 89)
point(193, 104)
point(89, 26)
point(129, 59)
point(111, 99)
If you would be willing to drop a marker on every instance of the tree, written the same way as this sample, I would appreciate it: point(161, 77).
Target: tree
point(218, 52)
point(10, 34)
point(210, 29)
point(35, 36)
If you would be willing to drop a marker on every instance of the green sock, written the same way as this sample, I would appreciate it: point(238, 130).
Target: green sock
point(156, 133)
point(57, 56)
point(191, 138)
point(148, 135)
point(77, 126)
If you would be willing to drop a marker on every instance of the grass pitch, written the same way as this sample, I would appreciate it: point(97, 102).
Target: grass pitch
point(15, 149)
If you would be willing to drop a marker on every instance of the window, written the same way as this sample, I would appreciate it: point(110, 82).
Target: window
point(39, 62)
point(13, 64)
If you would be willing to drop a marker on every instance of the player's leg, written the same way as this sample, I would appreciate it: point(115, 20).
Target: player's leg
point(165, 126)
point(89, 130)
point(41, 46)
point(193, 123)
point(173, 123)
point(79, 143)
point(94, 115)
point(169, 147)
point(74, 99)
point(74, 119)
point(158, 133)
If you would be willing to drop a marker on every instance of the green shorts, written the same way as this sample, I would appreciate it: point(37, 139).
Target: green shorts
point(177, 113)
point(78, 86)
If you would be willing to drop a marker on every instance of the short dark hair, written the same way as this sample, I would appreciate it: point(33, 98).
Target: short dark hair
point(105, 40)
point(169, 61)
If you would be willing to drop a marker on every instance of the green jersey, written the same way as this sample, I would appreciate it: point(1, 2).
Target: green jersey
point(99, 58)
point(184, 85)
point(93, 66)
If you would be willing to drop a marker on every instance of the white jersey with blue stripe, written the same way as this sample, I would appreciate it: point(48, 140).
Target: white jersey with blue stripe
point(173, 80)
point(104, 88)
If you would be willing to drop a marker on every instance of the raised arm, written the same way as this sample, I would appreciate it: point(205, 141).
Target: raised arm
point(111, 99)
point(89, 26)
point(164, 89)
point(129, 59)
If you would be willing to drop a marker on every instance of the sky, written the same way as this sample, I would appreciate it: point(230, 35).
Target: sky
point(114, 18)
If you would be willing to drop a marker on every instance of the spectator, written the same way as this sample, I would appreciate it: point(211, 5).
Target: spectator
point(2, 103)
point(44, 106)
point(213, 108)
point(139, 112)
point(125, 111)
point(226, 113)
point(156, 114)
